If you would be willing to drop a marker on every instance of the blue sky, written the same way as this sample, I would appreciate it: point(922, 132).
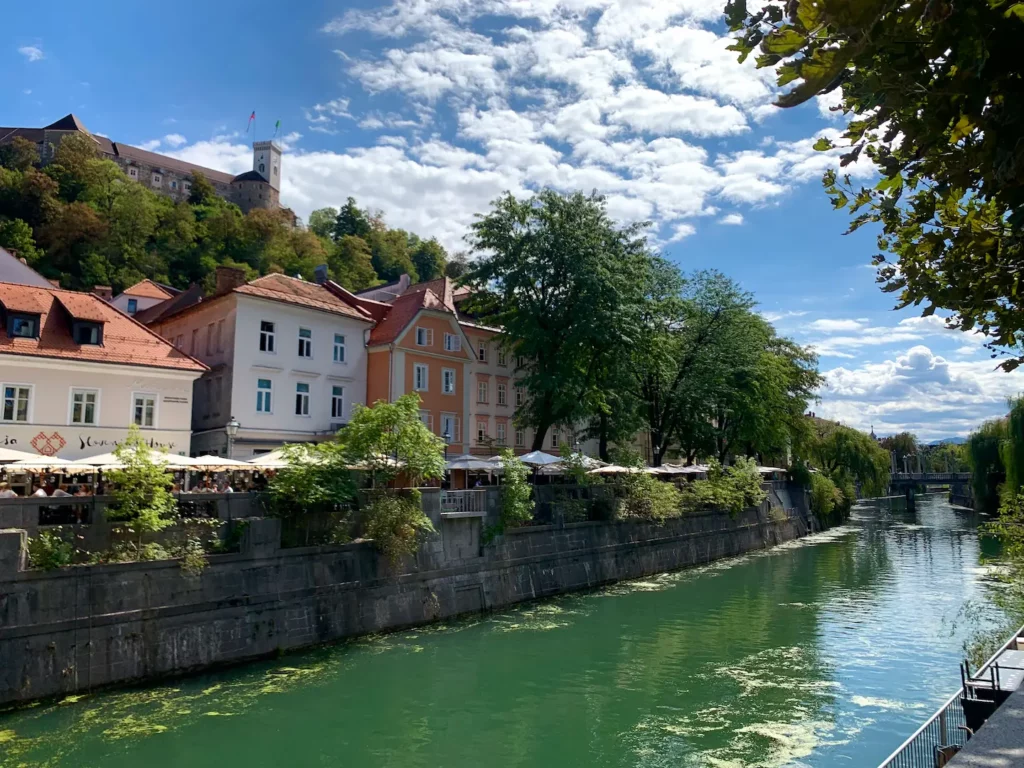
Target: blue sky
point(428, 109)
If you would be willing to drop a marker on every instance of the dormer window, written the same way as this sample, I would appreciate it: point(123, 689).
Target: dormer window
point(22, 326)
point(87, 333)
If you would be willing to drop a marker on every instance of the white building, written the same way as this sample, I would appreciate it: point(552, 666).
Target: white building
point(143, 295)
point(287, 361)
point(75, 373)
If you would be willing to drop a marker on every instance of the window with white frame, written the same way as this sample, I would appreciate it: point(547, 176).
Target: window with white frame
point(554, 438)
point(16, 402)
point(339, 348)
point(144, 410)
point(157, 179)
point(83, 406)
point(302, 399)
point(481, 352)
point(264, 396)
point(502, 359)
point(424, 337)
point(420, 377)
point(266, 336)
point(452, 342)
point(133, 173)
point(305, 342)
point(448, 381)
point(481, 431)
point(520, 396)
point(520, 438)
point(450, 427)
point(481, 391)
point(337, 402)
point(502, 393)
point(501, 432)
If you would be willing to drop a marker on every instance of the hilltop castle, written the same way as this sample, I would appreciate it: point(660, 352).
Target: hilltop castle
point(258, 188)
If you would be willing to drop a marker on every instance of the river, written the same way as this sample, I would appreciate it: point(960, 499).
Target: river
point(827, 651)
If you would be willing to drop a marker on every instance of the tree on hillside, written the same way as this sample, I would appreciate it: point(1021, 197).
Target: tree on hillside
point(19, 154)
point(457, 266)
point(202, 192)
point(935, 94)
point(322, 222)
point(390, 254)
point(351, 264)
point(566, 286)
point(351, 221)
point(428, 257)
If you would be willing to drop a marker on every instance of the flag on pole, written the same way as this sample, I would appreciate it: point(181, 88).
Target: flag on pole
point(251, 118)
point(277, 127)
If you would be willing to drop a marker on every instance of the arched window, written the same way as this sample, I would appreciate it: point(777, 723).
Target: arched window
point(263, 168)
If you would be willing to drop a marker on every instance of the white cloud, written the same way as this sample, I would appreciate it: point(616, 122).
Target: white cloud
point(175, 140)
point(150, 145)
point(681, 231)
point(732, 219)
point(833, 325)
point(918, 391)
point(32, 52)
point(826, 102)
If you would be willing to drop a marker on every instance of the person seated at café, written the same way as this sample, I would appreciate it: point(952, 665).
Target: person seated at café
point(6, 492)
point(60, 491)
point(79, 490)
point(41, 490)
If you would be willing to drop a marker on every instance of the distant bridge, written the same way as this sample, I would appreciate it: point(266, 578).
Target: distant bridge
point(901, 479)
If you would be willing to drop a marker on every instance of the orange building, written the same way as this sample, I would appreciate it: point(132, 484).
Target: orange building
point(418, 345)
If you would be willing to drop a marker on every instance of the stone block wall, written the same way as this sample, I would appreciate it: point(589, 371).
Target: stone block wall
point(85, 627)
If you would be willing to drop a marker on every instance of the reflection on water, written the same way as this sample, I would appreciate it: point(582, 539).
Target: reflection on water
point(825, 651)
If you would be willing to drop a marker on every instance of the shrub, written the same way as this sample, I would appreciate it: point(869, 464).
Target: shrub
point(395, 523)
point(312, 495)
point(732, 488)
point(603, 509)
point(647, 498)
point(142, 496)
point(516, 498)
point(50, 551)
point(825, 496)
point(193, 558)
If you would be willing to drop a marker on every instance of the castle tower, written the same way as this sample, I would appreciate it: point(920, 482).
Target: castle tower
point(266, 161)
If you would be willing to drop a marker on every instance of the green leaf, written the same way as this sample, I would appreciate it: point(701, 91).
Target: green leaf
point(964, 127)
point(823, 145)
point(1017, 9)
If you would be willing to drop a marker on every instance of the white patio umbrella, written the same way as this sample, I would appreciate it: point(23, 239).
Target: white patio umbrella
point(275, 459)
point(9, 454)
point(108, 461)
point(215, 464)
point(615, 469)
point(472, 463)
point(50, 464)
point(539, 458)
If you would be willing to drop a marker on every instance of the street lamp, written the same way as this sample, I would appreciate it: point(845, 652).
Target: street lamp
point(231, 430)
point(446, 437)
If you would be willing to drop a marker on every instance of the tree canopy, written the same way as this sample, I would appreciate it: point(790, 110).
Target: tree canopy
point(935, 96)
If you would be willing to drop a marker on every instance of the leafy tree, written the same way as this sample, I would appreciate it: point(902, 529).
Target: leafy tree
point(946, 457)
point(395, 522)
point(429, 258)
point(843, 452)
point(351, 221)
point(390, 254)
point(935, 96)
point(16, 236)
point(389, 439)
point(516, 498)
point(141, 495)
point(202, 192)
point(566, 286)
point(322, 222)
point(985, 456)
point(351, 264)
point(19, 154)
point(319, 476)
point(458, 266)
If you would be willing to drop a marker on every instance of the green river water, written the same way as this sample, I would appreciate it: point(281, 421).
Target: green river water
point(827, 651)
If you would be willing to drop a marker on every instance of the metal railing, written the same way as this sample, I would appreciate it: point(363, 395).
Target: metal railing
point(939, 739)
point(464, 501)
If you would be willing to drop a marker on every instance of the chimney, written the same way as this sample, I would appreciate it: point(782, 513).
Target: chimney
point(53, 282)
point(320, 274)
point(105, 292)
point(403, 283)
point(229, 278)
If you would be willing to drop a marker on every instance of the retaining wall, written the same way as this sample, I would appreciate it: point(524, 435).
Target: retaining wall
point(84, 627)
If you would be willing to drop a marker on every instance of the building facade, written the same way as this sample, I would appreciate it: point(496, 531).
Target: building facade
point(75, 374)
point(143, 295)
point(168, 175)
point(287, 360)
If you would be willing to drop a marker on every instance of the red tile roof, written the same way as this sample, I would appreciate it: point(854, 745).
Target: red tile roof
point(403, 310)
point(147, 289)
point(292, 290)
point(124, 341)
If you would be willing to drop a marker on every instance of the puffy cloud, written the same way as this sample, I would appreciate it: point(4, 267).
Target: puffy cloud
point(32, 52)
point(732, 219)
point(175, 140)
point(917, 391)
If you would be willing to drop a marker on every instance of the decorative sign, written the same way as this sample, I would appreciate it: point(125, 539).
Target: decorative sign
point(181, 400)
point(48, 445)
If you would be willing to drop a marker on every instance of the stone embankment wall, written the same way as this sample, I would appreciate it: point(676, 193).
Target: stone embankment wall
point(84, 627)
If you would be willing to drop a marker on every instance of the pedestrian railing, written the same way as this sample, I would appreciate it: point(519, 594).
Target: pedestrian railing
point(945, 733)
point(462, 502)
